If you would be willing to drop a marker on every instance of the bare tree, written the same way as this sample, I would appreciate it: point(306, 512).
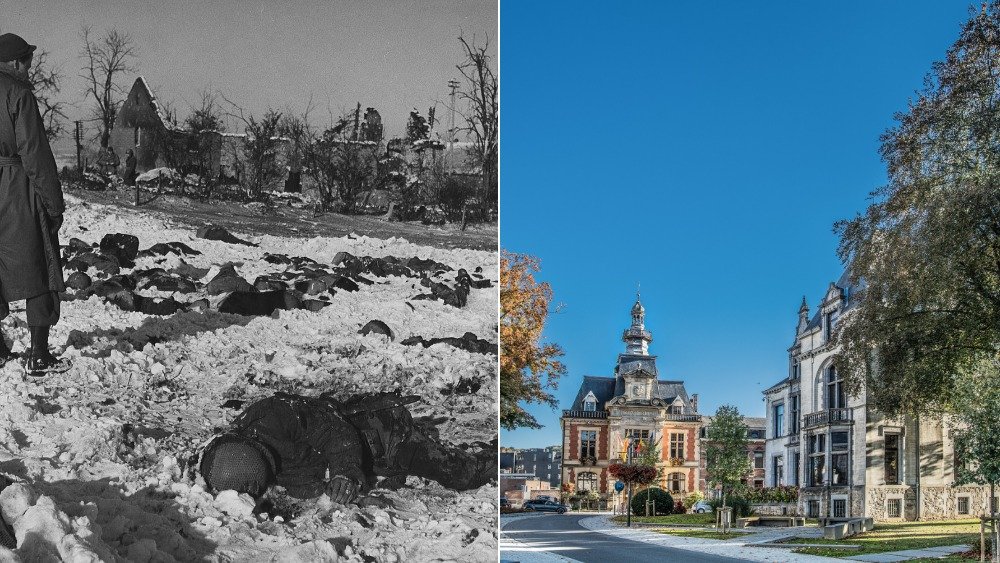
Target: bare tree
point(482, 116)
point(257, 158)
point(106, 58)
point(202, 125)
point(46, 80)
point(340, 165)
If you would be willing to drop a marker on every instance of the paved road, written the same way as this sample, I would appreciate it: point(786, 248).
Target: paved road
point(564, 534)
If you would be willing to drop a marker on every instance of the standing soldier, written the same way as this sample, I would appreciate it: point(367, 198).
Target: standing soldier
point(130, 168)
point(31, 210)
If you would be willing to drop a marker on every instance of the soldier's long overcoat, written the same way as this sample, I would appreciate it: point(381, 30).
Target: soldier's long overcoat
point(30, 197)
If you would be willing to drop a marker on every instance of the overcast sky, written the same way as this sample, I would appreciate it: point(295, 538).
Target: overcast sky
point(391, 55)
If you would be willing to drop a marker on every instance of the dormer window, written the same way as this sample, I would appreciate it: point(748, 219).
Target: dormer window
point(590, 405)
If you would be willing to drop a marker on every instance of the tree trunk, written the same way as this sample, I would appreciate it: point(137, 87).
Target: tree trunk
point(994, 540)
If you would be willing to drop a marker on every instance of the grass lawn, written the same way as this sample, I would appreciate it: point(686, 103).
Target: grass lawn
point(703, 534)
point(899, 536)
point(689, 519)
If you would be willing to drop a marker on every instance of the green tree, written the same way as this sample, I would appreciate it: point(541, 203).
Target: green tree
point(726, 459)
point(529, 368)
point(928, 248)
point(977, 428)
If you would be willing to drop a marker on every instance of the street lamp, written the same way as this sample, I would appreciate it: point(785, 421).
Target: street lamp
point(628, 505)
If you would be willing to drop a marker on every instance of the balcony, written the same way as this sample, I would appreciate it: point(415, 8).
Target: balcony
point(829, 416)
point(683, 417)
point(585, 414)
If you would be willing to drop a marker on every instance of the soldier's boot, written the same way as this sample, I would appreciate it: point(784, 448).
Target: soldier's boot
point(5, 352)
point(38, 360)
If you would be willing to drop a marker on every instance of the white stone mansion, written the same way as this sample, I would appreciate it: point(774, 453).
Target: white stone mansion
point(848, 460)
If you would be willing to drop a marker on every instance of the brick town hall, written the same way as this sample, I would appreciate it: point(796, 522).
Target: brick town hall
point(633, 403)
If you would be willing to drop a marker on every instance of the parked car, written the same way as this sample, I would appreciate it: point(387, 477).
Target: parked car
point(701, 507)
point(544, 506)
point(504, 503)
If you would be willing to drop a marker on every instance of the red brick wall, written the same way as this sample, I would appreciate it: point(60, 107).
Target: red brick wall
point(602, 444)
point(573, 446)
point(604, 480)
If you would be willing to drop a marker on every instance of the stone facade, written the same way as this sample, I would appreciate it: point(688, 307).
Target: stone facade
point(635, 402)
point(847, 459)
point(776, 509)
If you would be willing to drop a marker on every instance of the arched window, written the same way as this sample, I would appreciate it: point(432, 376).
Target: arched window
point(586, 481)
point(836, 397)
point(676, 482)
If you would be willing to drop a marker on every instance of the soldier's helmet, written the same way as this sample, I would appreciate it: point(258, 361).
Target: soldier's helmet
point(239, 463)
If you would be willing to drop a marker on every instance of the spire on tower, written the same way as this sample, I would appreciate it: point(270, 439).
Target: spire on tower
point(636, 337)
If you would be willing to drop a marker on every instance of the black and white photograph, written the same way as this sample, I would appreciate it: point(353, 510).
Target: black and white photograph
point(250, 281)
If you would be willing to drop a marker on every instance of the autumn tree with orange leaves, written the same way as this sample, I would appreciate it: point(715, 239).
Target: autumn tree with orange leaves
point(528, 367)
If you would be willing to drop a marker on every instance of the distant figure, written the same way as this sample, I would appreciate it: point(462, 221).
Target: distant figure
point(31, 201)
point(112, 162)
point(293, 183)
point(130, 174)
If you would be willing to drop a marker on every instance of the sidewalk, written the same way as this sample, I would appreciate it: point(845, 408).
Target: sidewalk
point(907, 554)
point(754, 548)
point(742, 548)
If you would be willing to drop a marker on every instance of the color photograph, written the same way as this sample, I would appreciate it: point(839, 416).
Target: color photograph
point(750, 281)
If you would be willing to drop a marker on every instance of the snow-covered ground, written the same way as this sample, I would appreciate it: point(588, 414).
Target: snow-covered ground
point(102, 453)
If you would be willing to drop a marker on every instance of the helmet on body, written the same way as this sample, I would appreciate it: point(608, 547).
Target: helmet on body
point(239, 463)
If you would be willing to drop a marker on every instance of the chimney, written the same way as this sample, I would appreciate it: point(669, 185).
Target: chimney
point(694, 403)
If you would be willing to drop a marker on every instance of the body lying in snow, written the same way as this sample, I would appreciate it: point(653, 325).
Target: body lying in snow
point(316, 445)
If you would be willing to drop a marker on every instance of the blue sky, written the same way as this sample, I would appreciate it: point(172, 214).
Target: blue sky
point(704, 150)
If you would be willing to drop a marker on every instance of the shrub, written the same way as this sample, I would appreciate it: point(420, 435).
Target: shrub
point(454, 193)
point(664, 502)
point(741, 506)
point(679, 508)
point(633, 473)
